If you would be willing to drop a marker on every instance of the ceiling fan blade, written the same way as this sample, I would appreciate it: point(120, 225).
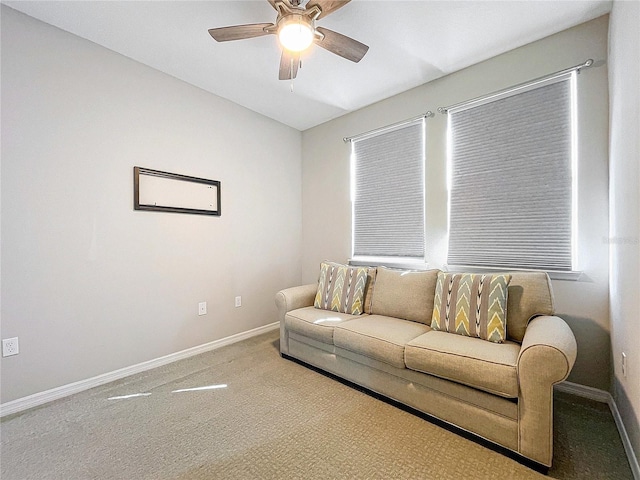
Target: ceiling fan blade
point(239, 32)
point(288, 70)
point(341, 45)
point(326, 6)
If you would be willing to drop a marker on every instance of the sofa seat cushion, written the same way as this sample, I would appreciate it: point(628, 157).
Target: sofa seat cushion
point(378, 337)
point(315, 323)
point(484, 365)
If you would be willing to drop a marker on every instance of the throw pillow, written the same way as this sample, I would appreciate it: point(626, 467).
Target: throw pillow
point(341, 288)
point(470, 304)
point(368, 291)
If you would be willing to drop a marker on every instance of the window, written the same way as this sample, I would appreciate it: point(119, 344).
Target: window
point(512, 171)
point(388, 194)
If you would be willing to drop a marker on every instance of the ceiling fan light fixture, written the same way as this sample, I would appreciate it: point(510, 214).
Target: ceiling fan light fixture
point(295, 27)
point(295, 33)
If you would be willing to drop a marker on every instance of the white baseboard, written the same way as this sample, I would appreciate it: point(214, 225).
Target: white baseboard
point(605, 397)
point(41, 398)
point(585, 392)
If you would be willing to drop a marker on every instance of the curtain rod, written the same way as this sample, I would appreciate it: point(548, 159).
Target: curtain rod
point(389, 127)
point(577, 68)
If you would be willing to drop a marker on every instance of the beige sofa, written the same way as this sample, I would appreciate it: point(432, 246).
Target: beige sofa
point(502, 392)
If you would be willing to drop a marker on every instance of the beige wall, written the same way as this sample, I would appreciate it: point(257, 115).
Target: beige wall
point(624, 85)
point(88, 284)
point(325, 176)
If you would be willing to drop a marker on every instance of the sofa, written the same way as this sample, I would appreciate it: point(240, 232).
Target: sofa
point(501, 391)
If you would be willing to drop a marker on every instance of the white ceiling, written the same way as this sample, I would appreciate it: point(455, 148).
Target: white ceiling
point(411, 43)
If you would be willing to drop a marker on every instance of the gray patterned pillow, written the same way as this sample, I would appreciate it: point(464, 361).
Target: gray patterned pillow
point(470, 304)
point(341, 288)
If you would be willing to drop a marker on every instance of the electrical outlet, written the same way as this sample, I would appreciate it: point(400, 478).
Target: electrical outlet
point(202, 308)
point(624, 364)
point(238, 301)
point(10, 347)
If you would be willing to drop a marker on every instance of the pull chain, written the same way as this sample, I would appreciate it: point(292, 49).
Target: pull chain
point(291, 70)
point(291, 73)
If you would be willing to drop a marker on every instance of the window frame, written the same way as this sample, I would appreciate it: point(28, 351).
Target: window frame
point(397, 261)
point(571, 77)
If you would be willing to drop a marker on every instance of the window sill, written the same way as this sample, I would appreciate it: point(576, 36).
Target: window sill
point(391, 262)
point(573, 275)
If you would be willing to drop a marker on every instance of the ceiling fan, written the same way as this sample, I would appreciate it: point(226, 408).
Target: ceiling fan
point(296, 28)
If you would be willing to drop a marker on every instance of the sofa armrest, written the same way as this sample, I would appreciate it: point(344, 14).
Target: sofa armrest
point(295, 297)
point(548, 336)
point(546, 357)
point(291, 299)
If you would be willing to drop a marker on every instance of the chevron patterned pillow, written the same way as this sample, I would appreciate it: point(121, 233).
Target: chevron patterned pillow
point(470, 304)
point(341, 288)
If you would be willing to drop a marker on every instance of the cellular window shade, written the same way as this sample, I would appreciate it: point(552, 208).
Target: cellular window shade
point(388, 208)
point(511, 181)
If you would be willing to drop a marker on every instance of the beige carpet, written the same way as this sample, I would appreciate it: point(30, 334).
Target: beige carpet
point(274, 419)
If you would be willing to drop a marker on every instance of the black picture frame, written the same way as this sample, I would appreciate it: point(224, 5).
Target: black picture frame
point(157, 191)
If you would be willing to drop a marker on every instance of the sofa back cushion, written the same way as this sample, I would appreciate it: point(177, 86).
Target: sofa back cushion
point(530, 295)
point(473, 305)
point(341, 288)
point(404, 294)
